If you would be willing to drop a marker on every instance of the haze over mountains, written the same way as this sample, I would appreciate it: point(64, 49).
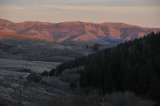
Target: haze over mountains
point(74, 31)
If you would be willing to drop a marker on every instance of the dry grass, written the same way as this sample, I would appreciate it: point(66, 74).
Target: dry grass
point(76, 100)
point(126, 98)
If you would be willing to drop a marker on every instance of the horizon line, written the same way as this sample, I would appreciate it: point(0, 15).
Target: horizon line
point(109, 22)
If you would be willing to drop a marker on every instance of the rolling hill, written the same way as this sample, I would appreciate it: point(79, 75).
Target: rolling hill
point(76, 31)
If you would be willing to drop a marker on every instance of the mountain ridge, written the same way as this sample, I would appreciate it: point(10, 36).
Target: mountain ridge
point(76, 30)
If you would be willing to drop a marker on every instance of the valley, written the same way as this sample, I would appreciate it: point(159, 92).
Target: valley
point(40, 67)
point(79, 53)
point(20, 58)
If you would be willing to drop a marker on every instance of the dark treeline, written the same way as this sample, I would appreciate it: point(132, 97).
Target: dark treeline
point(67, 65)
point(131, 66)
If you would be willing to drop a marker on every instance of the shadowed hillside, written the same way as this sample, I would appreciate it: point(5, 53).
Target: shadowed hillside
point(130, 66)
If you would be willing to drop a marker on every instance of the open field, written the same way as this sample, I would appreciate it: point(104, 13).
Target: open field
point(35, 66)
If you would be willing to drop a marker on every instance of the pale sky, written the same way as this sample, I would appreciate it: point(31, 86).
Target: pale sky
point(144, 13)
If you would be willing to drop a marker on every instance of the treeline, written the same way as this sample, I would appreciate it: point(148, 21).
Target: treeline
point(67, 65)
point(131, 66)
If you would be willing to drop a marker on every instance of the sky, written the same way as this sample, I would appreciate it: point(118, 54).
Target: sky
point(145, 13)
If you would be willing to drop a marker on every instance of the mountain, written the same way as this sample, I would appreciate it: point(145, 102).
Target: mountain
point(76, 31)
point(29, 37)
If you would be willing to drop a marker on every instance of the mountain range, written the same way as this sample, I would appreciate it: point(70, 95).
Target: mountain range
point(73, 31)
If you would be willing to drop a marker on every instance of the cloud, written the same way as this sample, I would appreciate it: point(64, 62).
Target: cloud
point(82, 10)
point(84, 2)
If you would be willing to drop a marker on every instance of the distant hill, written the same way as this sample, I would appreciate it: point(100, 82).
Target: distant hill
point(77, 31)
point(29, 37)
point(31, 49)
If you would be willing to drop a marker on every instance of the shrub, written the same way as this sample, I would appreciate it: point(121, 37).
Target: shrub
point(34, 77)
